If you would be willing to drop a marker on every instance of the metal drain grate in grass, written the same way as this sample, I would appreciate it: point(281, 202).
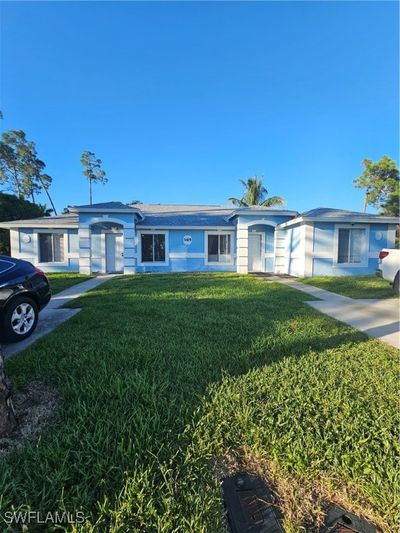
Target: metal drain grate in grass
point(339, 521)
point(250, 505)
point(251, 508)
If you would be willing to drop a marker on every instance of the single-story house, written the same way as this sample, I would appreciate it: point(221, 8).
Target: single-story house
point(115, 237)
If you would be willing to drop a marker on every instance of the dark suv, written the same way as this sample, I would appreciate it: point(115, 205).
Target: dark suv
point(24, 291)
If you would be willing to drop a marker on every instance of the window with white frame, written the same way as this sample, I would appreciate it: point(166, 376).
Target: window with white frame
point(153, 247)
point(51, 247)
point(219, 248)
point(351, 245)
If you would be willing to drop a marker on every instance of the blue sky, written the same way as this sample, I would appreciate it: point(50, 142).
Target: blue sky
point(181, 100)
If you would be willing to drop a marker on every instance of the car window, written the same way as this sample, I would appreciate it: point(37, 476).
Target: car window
point(5, 265)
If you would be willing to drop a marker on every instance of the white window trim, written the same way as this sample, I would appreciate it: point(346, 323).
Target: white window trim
point(36, 244)
point(218, 263)
point(365, 249)
point(139, 246)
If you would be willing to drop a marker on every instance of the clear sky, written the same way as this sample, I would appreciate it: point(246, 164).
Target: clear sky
point(182, 99)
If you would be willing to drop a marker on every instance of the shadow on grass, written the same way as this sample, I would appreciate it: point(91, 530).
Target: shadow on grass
point(133, 367)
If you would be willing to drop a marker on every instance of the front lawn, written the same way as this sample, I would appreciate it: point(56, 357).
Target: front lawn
point(63, 280)
point(168, 380)
point(353, 286)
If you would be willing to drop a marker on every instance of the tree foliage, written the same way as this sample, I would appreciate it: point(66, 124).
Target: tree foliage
point(92, 170)
point(21, 170)
point(14, 208)
point(255, 194)
point(380, 180)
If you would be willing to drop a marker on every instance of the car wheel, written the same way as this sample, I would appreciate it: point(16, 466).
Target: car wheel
point(396, 283)
point(20, 319)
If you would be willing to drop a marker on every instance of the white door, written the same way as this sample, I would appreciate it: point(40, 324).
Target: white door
point(255, 261)
point(114, 252)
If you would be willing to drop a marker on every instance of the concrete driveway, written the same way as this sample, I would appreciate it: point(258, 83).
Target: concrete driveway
point(376, 318)
point(52, 316)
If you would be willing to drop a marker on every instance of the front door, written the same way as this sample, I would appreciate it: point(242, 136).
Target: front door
point(255, 259)
point(114, 252)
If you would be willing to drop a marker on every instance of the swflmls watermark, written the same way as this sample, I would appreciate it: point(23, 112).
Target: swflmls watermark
point(43, 518)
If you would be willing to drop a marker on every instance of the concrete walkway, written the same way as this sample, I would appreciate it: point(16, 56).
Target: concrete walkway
point(376, 318)
point(52, 316)
point(77, 290)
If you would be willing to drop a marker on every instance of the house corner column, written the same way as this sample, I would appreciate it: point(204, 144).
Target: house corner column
point(84, 250)
point(391, 236)
point(242, 249)
point(308, 250)
point(129, 249)
point(14, 243)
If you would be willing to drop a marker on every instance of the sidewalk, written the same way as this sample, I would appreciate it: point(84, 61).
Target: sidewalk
point(376, 318)
point(52, 316)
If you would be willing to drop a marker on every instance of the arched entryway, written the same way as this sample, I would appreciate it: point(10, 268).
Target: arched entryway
point(255, 246)
point(260, 248)
point(107, 247)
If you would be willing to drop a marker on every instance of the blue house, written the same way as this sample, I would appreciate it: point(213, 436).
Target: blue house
point(115, 237)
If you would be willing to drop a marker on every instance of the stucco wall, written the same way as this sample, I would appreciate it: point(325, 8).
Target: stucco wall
point(92, 245)
point(311, 249)
point(299, 250)
point(323, 267)
point(188, 258)
point(244, 223)
point(289, 250)
point(24, 245)
point(325, 252)
point(323, 237)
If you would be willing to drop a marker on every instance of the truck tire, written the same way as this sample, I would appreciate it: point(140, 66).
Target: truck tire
point(396, 288)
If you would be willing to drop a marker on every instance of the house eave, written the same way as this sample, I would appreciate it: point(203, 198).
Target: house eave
point(105, 210)
point(177, 227)
point(341, 220)
point(12, 225)
point(261, 212)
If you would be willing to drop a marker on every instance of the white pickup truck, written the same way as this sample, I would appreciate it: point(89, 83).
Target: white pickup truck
point(389, 267)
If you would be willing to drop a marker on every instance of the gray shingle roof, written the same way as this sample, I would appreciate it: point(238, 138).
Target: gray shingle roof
point(187, 218)
point(69, 219)
point(104, 205)
point(328, 212)
point(177, 208)
point(169, 215)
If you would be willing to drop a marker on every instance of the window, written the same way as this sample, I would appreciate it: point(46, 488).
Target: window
point(51, 247)
point(219, 248)
point(153, 247)
point(351, 245)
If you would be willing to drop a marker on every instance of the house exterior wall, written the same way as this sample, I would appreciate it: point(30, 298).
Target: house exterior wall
point(92, 241)
point(310, 249)
point(181, 257)
point(325, 249)
point(246, 223)
point(303, 249)
point(24, 245)
point(290, 250)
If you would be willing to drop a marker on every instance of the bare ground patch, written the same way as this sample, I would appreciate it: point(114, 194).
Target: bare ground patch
point(35, 405)
point(302, 501)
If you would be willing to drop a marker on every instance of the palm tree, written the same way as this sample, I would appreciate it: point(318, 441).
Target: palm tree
point(255, 194)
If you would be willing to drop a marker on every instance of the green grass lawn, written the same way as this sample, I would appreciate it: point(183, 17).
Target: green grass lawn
point(168, 379)
point(62, 280)
point(353, 286)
